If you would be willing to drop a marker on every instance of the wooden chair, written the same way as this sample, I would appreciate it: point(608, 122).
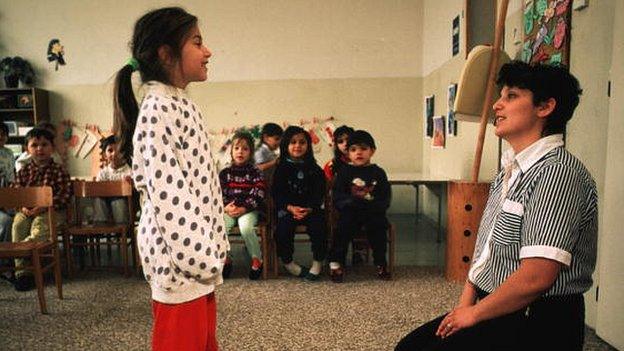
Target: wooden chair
point(360, 237)
point(123, 233)
point(35, 250)
point(263, 234)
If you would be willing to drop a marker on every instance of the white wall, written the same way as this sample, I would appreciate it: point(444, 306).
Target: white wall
point(251, 39)
point(357, 60)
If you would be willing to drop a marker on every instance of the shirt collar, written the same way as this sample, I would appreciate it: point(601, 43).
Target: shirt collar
point(165, 89)
point(529, 156)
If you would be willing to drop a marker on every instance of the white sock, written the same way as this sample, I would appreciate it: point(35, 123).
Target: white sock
point(334, 265)
point(316, 267)
point(293, 268)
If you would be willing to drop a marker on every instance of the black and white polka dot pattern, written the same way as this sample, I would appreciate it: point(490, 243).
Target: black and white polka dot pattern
point(181, 235)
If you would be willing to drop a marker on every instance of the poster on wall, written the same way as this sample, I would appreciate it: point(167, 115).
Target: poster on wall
point(547, 31)
point(451, 122)
point(428, 116)
point(455, 36)
point(438, 141)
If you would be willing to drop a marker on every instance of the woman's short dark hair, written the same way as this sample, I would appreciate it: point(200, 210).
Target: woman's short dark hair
point(545, 82)
point(289, 133)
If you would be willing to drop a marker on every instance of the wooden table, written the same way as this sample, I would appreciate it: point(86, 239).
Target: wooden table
point(436, 184)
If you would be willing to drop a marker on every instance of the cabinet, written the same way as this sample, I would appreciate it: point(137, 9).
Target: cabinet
point(21, 108)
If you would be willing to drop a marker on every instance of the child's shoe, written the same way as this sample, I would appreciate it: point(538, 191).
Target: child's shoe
point(24, 283)
point(382, 273)
point(227, 268)
point(337, 275)
point(256, 269)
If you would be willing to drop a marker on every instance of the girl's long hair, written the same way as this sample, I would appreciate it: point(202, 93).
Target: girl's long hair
point(289, 133)
point(342, 130)
point(166, 27)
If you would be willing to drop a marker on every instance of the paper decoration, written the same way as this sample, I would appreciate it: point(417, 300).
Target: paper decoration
point(56, 53)
point(89, 141)
point(547, 31)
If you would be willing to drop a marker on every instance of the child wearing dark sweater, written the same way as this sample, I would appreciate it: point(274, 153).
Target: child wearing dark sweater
point(243, 193)
point(361, 195)
point(299, 190)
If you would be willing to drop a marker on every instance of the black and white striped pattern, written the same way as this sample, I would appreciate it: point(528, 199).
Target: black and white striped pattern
point(551, 212)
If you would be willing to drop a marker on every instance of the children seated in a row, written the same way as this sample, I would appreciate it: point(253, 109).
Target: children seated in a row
point(243, 193)
point(30, 224)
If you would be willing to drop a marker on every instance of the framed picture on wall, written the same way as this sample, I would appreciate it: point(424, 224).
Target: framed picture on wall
point(428, 116)
point(438, 141)
point(12, 127)
point(451, 122)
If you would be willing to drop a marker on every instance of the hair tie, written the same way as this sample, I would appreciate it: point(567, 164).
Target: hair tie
point(134, 63)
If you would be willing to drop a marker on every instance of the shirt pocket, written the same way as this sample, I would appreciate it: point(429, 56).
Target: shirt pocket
point(508, 224)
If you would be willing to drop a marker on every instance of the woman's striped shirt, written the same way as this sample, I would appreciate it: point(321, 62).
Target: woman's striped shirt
point(550, 211)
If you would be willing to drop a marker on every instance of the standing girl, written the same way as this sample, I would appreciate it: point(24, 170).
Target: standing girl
point(243, 193)
point(181, 238)
point(341, 152)
point(298, 190)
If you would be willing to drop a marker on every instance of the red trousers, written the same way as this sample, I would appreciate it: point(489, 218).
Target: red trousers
point(189, 326)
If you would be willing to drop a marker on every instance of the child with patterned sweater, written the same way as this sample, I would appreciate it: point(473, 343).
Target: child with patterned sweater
point(30, 224)
point(361, 195)
point(243, 193)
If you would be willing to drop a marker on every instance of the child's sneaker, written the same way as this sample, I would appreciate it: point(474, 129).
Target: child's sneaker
point(256, 269)
point(337, 275)
point(227, 268)
point(382, 273)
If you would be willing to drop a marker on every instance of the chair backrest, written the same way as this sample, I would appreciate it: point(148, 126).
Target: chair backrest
point(115, 188)
point(37, 196)
point(92, 189)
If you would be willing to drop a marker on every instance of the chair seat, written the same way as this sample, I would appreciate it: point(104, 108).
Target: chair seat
point(22, 249)
point(91, 229)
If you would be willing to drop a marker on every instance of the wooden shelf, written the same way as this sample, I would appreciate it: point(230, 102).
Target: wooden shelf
point(16, 110)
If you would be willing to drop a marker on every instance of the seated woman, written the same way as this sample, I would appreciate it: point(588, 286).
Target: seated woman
point(536, 246)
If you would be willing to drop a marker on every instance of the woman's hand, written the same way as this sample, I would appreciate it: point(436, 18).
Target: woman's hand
point(460, 318)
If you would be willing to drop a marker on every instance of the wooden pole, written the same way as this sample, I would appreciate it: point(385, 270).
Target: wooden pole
point(489, 91)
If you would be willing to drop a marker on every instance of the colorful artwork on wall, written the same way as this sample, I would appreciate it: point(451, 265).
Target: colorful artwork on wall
point(547, 31)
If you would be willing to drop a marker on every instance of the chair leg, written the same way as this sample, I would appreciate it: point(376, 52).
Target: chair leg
point(274, 258)
point(124, 254)
point(391, 243)
point(68, 254)
point(36, 261)
point(263, 237)
point(57, 273)
point(92, 250)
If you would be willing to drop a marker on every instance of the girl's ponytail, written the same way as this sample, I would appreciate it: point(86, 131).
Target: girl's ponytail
point(125, 111)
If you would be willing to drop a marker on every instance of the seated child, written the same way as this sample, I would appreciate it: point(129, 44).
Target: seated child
point(116, 169)
point(24, 158)
point(243, 193)
point(265, 155)
point(7, 174)
point(31, 223)
point(361, 195)
point(298, 190)
point(341, 153)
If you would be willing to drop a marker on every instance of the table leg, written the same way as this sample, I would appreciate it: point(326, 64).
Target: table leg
point(439, 239)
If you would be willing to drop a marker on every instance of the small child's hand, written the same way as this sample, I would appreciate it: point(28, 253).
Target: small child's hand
point(238, 211)
point(37, 211)
point(26, 211)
